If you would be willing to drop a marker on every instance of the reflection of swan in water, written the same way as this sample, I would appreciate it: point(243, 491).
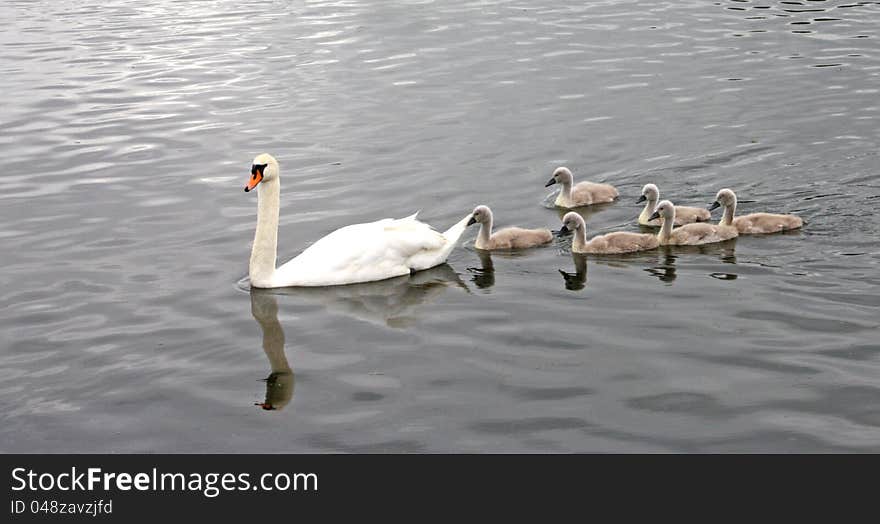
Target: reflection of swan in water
point(279, 383)
point(484, 276)
point(577, 280)
point(665, 270)
point(386, 302)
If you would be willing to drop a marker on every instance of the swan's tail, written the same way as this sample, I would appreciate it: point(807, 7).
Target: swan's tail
point(453, 234)
point(436, 257)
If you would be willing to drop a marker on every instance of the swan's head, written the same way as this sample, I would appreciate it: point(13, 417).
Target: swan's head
point(481, 215)
point(649, 192)
point(725, 197)
point(562, 175)
point(664, 209)
point(263, 168)
point(572, 222)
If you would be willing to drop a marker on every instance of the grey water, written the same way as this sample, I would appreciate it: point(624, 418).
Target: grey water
point(127, 131)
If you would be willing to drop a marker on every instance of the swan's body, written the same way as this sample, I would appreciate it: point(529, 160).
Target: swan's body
point(507, 238)
point(683, 214)
point(580, 194)
point(689, 234)
point(755, 223)
point(615, 243)
point(357, 253)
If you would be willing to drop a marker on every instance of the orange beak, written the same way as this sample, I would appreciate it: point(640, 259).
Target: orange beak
point(252, 182)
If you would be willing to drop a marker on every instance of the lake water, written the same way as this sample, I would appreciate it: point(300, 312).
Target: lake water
point(128, 128)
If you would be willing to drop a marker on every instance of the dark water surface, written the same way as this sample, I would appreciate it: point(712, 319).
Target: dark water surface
point(127, 130)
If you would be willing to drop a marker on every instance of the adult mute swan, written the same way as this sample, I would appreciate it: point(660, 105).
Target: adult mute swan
point(357, 253)
point(615, 243)
point(683, 214)
point(507, 238)
point(688, 234)
point(755, 223)
point(581, 194)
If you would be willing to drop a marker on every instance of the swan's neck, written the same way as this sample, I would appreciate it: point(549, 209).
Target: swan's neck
point(645, 217)
point(727, 217)
point(485, 232)
point(665, 228)
point(263, 254)
point(580, 239)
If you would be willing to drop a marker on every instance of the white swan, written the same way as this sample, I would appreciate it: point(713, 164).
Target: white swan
point(755, 223)
point(356, 253)
point(683, 214)
point(507, 238)
point(689, 234)
point(615, 243)
point(582, 194)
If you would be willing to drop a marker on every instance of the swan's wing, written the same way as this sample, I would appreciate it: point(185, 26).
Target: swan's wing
point(361, 252)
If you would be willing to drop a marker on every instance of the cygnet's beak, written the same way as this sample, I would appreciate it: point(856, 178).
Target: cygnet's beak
point(714, 205)
point(641, 199)
point(550, 182)
point(563, 230)
point(255, 178)
point(655, 216)
point(472, 221)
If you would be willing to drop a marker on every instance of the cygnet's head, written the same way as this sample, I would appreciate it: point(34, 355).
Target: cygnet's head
point(572, 222)
point(725, 197)
point(649, 192)
point(263, 168)
point(481, 215)
point(561, 176)
point(664, 209)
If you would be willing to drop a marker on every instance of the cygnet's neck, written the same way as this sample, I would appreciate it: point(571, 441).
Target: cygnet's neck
point(649, 210)
point(565, 192)
point(727, 217)
point(580, 238)
point(264, 251)
point(666, 227)
point(485, 232)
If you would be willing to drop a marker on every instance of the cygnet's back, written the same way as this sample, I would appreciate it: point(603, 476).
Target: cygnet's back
point(580, 194)
point(683, 214)
point(689, 234)
point(508, 238)
point(754, 223)
point(615, 243)
point(518, 238)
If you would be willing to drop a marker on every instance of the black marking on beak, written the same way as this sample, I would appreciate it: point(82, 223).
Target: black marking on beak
point(714, 205)
point(641, 199)
point(472, 221)
point(550, 182)
point(655, 216)
point(564, 230)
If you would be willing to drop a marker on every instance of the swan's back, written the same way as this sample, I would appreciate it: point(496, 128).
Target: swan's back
point(761, 223)
point(518, 238)
point(621, 242)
